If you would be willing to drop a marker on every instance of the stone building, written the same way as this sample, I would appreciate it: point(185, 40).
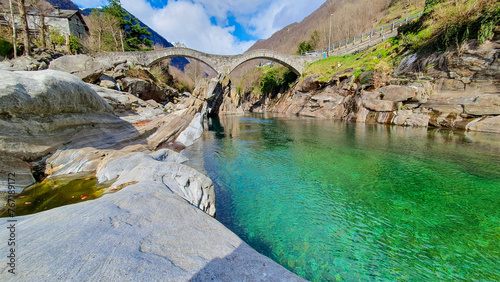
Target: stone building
point(67, 22)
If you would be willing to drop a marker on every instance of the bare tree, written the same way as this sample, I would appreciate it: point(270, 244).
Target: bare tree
point(194, 70)
point(24, 23)
point(14, 34)
point(105, 32)
point(112, 26)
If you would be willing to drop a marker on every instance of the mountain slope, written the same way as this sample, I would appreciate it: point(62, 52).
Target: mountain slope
point(349, 17)
point(63, 4)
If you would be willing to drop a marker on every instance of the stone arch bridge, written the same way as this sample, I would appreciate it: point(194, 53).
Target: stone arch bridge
point(221, 64)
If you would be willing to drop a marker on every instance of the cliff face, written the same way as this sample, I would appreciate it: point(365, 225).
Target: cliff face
point(455, 89)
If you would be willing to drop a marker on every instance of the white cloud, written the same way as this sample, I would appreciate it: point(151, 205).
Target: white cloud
point(262, 18)
point(189, 23)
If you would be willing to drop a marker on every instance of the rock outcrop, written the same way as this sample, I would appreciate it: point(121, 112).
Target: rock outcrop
point(457, 90)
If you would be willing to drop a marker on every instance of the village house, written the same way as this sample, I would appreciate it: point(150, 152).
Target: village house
point(67, 22)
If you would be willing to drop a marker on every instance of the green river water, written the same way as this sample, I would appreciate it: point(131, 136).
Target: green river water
point(339, 201)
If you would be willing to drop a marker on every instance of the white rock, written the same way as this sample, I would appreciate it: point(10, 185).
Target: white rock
point(192, 132)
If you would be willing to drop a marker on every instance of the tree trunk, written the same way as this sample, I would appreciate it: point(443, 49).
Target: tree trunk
point(42, 22)
point(121, 39)
point(14, 34)
point(24, 23)
point(115, 39)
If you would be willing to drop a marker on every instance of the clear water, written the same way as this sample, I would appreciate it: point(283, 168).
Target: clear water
point(336, 201)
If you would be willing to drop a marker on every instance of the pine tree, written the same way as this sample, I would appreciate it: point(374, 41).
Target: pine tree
point(135, 35)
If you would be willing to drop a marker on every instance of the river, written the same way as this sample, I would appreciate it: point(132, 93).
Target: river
point(341, 201)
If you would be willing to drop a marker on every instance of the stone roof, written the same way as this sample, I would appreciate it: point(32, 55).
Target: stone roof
point(62, 14)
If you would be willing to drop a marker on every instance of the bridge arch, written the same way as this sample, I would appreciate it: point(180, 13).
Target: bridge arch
point(292, 62)
point(240, 62)
point(184, 56)
point(186, 53)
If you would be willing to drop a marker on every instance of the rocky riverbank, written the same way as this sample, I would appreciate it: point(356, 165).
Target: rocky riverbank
point(457, 89)
point(155, 221)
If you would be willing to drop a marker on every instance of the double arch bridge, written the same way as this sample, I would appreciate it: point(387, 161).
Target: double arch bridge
point(221, 64)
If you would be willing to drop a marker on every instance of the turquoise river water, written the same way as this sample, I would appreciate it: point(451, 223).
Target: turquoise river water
point(339, 201)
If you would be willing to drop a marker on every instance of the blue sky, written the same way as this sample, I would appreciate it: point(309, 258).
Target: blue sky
point(215, 26)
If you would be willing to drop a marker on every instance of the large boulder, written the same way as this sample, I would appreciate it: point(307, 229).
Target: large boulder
point(143, 89)
point(45, 93)
point(40, 111)
point(487, 124)
point(167, 170)
point(192, 132)
point(310, 83)
point(372, 101)
point(108, 82)
point(486, 104)
point(82, 66)
point(398, 93)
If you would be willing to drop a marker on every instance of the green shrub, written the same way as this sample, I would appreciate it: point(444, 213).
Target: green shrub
point(306, 46)
point(75, 44)
point(6, 48)
point(276, 79)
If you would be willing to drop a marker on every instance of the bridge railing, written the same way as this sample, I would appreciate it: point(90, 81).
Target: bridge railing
point(367, 39)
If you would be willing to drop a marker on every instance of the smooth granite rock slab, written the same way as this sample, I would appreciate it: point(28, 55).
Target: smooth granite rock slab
point(141, 233)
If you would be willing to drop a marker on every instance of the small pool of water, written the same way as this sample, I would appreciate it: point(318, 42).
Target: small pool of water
point(338, 201)
point(54, 192)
